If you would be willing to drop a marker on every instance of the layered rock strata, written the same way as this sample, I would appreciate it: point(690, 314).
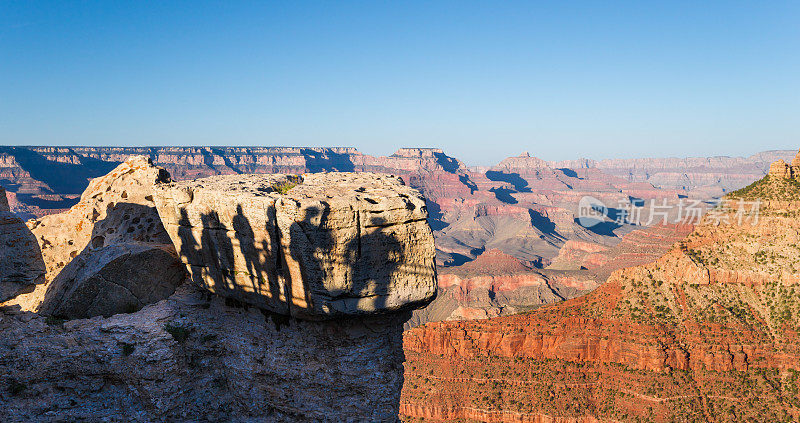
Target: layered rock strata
point(497, 284)
point(708, 332)
point(324, 246)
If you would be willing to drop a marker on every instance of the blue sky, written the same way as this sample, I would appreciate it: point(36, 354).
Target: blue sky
point(482, 80)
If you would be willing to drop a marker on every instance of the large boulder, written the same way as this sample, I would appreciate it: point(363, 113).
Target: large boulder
point(118, 278)
point(115, 209)
point(21, 265)
point(324, 246)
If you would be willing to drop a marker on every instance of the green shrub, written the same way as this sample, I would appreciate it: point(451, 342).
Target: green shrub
point(284, 187)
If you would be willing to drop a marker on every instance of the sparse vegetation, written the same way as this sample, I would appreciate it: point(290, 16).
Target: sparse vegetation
point(284, 187)
point(769, 189)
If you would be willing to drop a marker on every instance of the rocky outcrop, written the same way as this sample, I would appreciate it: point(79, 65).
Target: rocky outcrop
point(780, 169)
point(192, 358)
point(350, 255)
point(115, 208)
point(21, 265)
point(327, 245)
point(120, 278)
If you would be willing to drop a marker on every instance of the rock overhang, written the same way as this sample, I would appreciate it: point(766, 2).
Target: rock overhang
point(316, 246)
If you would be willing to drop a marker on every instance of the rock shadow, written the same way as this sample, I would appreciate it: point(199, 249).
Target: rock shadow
point(519, 183)
point(22, 266)
point(328, 161)
point(127, 264)
point(245, 272)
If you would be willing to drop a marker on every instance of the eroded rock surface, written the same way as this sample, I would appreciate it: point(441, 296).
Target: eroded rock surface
point(115, 279)
point(335, 244)
point(116, 208)
point(193, 358)
point(355, 250)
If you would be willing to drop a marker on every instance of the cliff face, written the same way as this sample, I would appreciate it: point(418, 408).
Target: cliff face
point(497, 284)
point(698, 176)
point(524, 206)
point(708, 332)
point(300, 323)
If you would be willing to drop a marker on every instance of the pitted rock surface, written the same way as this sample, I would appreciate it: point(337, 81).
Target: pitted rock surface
point(115, 208)
point(336, 244)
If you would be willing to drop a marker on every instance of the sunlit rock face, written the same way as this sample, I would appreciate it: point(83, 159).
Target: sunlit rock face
point(115, 209)
point(316, 247)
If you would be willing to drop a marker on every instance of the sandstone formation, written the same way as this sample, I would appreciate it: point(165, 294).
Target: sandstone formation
point(115, 208)
point(524, 206)
point(497, 284)
point(192, 358)
point(120, 278)
point(699, 177)
point(708, 332)
point(780, 169)
point(326, 245)
point(21, 265)
point(346, 256)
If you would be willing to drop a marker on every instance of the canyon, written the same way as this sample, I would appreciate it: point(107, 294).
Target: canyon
point(287, 284)
point(707, 332)
point(524, 207)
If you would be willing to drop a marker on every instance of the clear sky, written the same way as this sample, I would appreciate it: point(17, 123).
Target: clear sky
point(482, 80)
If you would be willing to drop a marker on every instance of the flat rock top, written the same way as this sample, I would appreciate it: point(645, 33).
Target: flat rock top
point(330, 186)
